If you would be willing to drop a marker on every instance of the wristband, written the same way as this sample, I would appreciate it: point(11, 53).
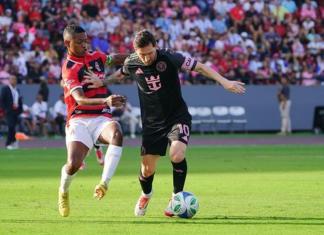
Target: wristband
point(109, 60)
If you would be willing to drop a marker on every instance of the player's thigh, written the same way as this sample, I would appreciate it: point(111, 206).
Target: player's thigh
point(77, 151)
point(179, 138)
point(148, 164)
point(106, 131)
point(154, 143)
point(77, 131)
point(180, 131)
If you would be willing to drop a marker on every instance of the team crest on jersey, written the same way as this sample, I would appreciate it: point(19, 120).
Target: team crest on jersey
point(97, 66)
point(153, 83)
point(161, 66)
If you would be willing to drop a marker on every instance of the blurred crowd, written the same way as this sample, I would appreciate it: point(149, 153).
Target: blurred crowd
point(255, 41)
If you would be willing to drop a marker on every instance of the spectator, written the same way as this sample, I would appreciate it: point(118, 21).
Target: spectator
point(284, 107)
point(11, 103)
point(129, 118)
point(43, 90)
point(5, 75)
point(100, 43)
point(274, 26)
point(39, 111)
point(26, 121)
point(289, 5)
point(59, 115)
point(6, 19)
point(308, 78)
point(308, 10)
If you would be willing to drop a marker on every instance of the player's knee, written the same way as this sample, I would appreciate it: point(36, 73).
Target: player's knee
point(115, 134)
point(71, 168)
point(117, 137)
point(148, 171)
point(177, 156)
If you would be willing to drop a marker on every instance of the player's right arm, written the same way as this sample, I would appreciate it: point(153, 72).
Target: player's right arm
point(73, 86)
point(116, 59)
point(112, 101)
point(94, 81)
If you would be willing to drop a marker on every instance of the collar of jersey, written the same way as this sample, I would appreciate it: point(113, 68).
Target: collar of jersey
point(76, 59)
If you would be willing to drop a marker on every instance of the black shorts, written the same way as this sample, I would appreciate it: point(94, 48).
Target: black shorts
point(156, 143)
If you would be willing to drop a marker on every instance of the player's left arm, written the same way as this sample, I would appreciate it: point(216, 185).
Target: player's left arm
point(187, 63)
point(232, 86)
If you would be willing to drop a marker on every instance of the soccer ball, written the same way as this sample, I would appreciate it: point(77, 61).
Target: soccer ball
point(184, 204)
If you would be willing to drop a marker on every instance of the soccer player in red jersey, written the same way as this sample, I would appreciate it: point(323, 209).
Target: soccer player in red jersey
point(89, 117)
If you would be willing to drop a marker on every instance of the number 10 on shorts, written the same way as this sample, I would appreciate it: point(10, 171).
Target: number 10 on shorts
point(184, 131)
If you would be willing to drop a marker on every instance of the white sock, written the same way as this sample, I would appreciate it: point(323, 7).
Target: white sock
point(112, 158)
point(149, 195)
point(66, 180)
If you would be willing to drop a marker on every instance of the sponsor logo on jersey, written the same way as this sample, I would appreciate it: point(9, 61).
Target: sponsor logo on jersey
point(161, 66)
point(153, 83)
point(139, 71)
point(77, 111)
point(97, 66)
point(105, 110)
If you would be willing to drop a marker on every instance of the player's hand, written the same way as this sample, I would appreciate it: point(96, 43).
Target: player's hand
point(235, 87)
point(117, 101)
point(92, 79)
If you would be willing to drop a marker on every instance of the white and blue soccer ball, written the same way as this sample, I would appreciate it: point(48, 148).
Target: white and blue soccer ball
point(184, 204)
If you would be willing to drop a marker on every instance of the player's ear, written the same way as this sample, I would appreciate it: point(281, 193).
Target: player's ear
point(67, 43)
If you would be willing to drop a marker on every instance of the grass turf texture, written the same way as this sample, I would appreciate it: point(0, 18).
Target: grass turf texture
point(242, 190)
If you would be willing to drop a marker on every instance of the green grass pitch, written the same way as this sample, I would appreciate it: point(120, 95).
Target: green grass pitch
point(241, 189)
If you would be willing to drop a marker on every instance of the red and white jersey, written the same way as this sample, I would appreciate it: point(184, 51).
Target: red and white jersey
point(73, 78)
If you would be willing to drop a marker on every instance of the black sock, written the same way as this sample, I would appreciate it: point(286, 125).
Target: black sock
point(146, 183)
point(179, 175)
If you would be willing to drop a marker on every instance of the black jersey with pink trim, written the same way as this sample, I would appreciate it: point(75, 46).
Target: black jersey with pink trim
point(159, 88)
point(73, 70)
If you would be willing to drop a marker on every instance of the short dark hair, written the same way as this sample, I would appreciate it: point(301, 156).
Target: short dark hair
point(143, 38)
point(72, 29)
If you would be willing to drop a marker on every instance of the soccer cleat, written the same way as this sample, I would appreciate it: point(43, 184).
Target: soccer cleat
point(141, 205)
point(63, 204)
point(168, 211)
point(100, 156)
point(100, 191)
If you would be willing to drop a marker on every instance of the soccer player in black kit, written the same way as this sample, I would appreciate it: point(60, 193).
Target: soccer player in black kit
point(165, 117)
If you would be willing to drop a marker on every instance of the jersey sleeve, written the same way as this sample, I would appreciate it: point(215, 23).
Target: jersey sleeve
point(103, 56)
point(125, 68)
point(70, 80)
point(182, 62)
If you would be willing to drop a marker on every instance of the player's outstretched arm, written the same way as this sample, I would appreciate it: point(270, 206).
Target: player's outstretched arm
point(232, 86)
point(113, 100)
point(94, 81)
point(116, 59)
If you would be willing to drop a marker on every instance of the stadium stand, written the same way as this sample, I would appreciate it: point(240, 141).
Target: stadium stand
point(254, 41)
